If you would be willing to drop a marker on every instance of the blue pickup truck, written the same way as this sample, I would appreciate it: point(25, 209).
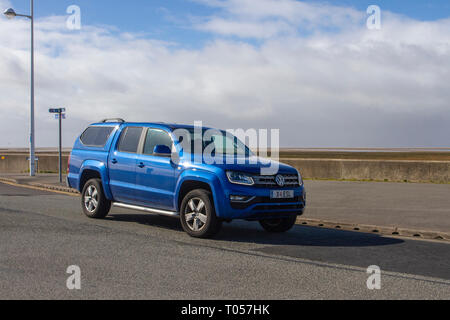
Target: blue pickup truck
point(153, 168)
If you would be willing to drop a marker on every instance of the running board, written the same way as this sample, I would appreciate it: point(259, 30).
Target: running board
point(145, 209)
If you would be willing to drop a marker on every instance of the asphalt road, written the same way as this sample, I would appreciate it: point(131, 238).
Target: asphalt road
point(137, 256)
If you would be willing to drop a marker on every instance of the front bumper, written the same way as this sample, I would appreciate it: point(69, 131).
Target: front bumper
point(260, 205)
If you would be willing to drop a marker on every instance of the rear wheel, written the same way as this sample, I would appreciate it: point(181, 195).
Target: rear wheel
point(198, 216)
point(278, 225)
point(93, 200)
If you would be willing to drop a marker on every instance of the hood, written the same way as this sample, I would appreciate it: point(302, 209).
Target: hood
point(253, 165)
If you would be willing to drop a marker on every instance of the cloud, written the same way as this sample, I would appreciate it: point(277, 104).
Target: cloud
point(339, 85)
point(270, 18)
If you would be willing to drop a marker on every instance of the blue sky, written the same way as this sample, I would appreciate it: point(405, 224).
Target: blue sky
point(168, 20)
point(156, 19)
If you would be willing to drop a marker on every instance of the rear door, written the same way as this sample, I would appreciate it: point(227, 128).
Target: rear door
point(155, 177)
point(122, 165)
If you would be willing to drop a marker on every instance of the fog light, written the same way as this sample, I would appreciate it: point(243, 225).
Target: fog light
point(234, 198)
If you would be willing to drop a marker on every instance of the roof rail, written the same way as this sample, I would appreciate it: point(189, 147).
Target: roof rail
point(113, 120)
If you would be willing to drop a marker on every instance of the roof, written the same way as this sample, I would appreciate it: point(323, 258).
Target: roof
point(171, 126)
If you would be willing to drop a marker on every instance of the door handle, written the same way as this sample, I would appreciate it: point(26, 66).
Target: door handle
point(114, 161)
point(141, 165)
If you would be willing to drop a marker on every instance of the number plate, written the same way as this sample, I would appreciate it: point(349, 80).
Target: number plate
point(282, 194)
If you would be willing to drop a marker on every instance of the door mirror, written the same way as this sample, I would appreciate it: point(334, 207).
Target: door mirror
point(162, 151)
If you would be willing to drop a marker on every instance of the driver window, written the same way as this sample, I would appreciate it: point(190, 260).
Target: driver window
point(154, 138)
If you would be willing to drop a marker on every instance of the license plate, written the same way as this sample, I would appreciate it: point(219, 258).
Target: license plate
point(282, 194)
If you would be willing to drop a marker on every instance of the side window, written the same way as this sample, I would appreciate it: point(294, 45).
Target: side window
point(96, 136)
point(154, 138)
point(129, 140)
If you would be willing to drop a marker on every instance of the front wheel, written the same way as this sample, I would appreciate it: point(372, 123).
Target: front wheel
point(93, 200)
point(198, 216)
point(278, 225)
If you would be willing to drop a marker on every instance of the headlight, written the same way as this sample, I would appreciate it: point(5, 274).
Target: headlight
point(240, 178)
point(300, 179)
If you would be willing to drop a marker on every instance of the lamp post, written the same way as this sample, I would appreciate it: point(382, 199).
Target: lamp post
point(10, 14)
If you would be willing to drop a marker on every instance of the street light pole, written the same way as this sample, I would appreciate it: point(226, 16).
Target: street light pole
point(10, 13)
point(60, 146)
point(32, 138)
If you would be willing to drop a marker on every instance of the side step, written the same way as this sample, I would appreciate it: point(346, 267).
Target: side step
point(145, 209)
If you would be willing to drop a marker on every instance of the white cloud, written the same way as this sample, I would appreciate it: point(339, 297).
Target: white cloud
point(345, 87)
point(269, 18)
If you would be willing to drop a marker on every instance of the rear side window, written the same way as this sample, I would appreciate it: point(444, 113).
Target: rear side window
point(96, 136)
point(129, 141)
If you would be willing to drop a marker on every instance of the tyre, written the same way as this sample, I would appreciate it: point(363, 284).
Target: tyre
point(93, 200)
point(278, 225)
point(198, 216)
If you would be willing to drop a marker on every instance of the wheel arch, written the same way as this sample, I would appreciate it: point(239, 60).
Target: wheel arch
point(189, 183)
point(92, 169)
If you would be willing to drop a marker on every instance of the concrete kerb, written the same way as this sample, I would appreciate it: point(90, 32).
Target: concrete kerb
point(381, 230)
point(8, 180)
point(56, 188)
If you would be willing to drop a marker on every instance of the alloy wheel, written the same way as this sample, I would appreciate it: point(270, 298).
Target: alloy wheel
point(195, 214)
point(91, 198)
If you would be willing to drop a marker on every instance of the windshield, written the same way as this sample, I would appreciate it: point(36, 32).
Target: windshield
point(211, 142)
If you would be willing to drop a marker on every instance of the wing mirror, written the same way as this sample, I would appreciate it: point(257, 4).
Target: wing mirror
point(162, 151)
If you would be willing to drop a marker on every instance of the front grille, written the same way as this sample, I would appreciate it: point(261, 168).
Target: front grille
point(291, 180)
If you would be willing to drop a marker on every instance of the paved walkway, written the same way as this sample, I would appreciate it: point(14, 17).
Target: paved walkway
point(418, 206)
point(41, 178)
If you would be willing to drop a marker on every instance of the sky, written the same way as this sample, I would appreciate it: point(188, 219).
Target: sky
point(312, 69)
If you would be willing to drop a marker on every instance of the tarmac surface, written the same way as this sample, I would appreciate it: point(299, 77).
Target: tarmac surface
point(133, 255)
